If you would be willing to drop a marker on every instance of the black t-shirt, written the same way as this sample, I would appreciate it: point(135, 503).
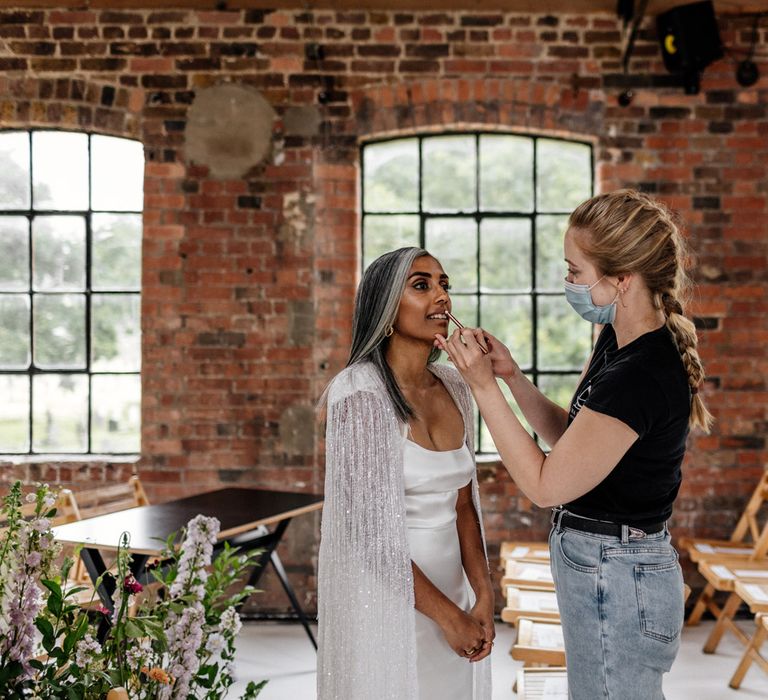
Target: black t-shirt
point(645, 386)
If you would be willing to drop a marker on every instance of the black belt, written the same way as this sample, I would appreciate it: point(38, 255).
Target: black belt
point(602, 527)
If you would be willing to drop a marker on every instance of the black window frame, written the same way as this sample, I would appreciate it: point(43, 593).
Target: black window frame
point(87, 292)
point(533, 372)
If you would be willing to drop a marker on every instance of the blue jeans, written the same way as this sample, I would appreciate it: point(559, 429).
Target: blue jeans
point(621, 606)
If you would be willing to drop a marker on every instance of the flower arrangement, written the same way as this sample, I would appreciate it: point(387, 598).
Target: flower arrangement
point(173, 640)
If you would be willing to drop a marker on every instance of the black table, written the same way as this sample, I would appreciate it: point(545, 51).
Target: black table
point(244, 514)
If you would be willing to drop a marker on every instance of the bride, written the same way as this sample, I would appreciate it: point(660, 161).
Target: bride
point(404, 594)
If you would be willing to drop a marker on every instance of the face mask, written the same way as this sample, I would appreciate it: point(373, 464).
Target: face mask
point(579, 297)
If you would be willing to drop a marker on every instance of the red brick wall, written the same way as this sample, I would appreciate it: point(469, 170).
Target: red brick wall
point(248, 283)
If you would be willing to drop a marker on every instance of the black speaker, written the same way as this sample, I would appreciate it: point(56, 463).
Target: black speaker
point(689, 37)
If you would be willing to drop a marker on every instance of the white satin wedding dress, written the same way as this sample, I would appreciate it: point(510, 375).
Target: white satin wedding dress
point(432, 481)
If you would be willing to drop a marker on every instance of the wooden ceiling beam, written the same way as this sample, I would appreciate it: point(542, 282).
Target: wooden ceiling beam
point(530, 6)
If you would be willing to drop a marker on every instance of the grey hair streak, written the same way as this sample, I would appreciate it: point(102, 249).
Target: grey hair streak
point(376, 306)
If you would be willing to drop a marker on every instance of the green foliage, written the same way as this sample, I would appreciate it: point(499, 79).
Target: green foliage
point(449, 164)
point(68, 662)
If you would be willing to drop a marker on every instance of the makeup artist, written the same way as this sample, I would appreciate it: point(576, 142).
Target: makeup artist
point(401, 533)
point(613, 472)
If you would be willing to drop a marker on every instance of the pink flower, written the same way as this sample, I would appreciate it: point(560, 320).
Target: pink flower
point(131, 585)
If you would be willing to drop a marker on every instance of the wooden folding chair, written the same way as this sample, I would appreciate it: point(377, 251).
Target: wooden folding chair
point(66, 510)
point(539, 683)
point(752, 652)
point(528, 574)
point(749, 541)
point(539, 642)
point(112, 498)
point(722, 576)
point(523, 551)
point(756, 596)
point(99, 501)
point(524, 602)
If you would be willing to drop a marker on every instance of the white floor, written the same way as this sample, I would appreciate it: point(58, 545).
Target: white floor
point(283, 654)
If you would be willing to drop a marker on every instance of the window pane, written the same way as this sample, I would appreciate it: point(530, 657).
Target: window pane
point(454, 243)
point(60, 412)
point(506, 173)
point(14, 413)
point(116, 251)
point(486, 441)
point(116, 417)
point(58, 253)
point(14, 175)
point(505, 254)
point(558, 388)
point(509, 319)
point(59, 323)
point(14, 331)
point(14, 252)
point(564, 174)
point(391, 176)
point(116, 332)
point(550, 262)
point(60, 170)
point(117, 188)
point(464, 308)
point(564, 337)
point(384, 233)
point(449, 173)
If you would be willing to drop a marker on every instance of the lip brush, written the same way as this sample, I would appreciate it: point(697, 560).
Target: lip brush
point(460, 325)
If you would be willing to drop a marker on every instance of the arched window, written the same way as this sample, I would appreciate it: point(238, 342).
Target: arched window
point(493, 209)
point(70, 284)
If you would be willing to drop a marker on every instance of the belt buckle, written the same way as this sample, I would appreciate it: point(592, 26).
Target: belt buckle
point(636, 533)
point(553, 516)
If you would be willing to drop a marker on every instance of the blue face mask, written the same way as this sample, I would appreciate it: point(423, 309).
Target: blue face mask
point(579, 297)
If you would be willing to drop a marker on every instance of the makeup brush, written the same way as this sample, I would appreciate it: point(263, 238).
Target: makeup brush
point(460, 325)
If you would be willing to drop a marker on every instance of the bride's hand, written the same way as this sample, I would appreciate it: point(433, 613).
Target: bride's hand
point(464, 634)
point(482, 611)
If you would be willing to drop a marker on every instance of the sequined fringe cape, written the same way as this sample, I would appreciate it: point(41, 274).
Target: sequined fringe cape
point(367, 642)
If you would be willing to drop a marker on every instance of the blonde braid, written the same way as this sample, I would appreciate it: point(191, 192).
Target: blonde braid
point(684, 332)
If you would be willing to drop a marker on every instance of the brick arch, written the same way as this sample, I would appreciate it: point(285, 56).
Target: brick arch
point(71, 103)
point(523, 105)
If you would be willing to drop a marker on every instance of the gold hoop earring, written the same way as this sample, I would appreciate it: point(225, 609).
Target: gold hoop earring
point(388, 333)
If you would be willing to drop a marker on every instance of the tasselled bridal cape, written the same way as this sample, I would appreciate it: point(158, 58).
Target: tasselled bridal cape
point(367, 644)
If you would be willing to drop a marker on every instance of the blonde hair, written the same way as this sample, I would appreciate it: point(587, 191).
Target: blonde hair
point(628, 231)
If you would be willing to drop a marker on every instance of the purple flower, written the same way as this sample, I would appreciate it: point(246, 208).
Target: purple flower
point(185, 633)
point(23, 600)
point(41, 525)
point(229, 624)
point(87, 651)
